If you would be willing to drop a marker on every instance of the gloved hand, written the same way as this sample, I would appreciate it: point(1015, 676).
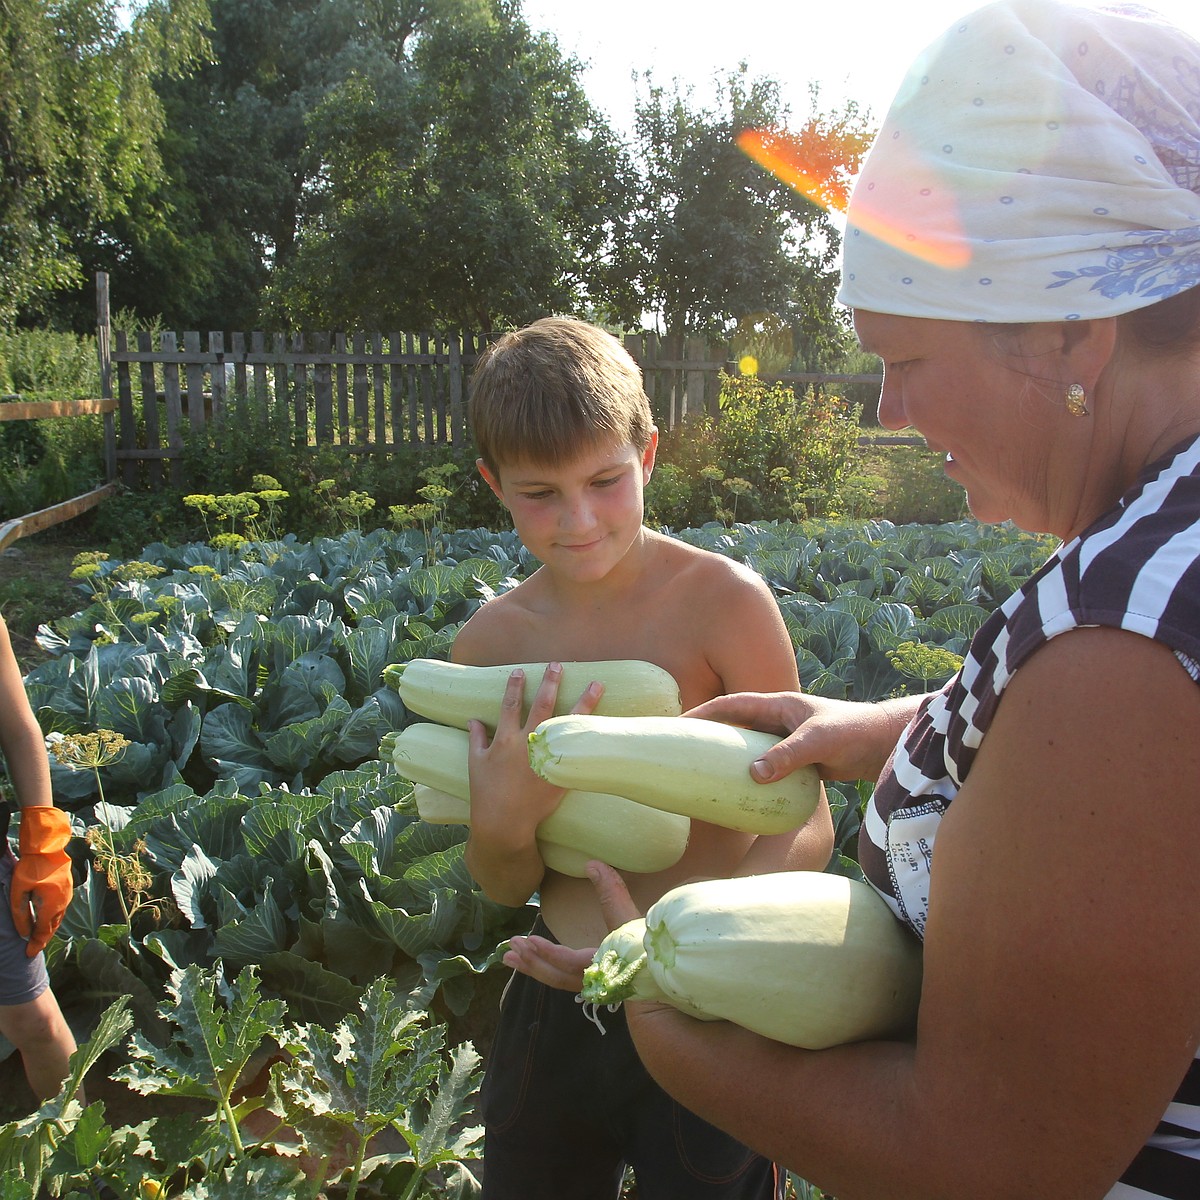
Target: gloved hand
point(41, 885)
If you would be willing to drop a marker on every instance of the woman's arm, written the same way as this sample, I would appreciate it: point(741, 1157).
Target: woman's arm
point(843, 739)
point(1062, 963)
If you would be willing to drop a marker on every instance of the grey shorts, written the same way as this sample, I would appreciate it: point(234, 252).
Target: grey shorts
point(22, 979)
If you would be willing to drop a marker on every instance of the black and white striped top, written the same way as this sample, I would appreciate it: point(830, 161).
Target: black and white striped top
point(1138, 568)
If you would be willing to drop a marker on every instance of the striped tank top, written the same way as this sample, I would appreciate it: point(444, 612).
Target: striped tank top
point(1137, 568)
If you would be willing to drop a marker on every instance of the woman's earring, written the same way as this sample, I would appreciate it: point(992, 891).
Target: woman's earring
point(1077, 400)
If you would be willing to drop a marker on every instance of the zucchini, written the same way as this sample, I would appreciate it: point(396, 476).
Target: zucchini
point(804, 957)
point(685, 765)
point(454, 694)
point(627, 835)
point(440, 808)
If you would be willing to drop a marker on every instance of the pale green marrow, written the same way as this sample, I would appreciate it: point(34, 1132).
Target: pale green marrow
point(803, 957)
point(700, 769)
point(454, 694)
point(627, 835)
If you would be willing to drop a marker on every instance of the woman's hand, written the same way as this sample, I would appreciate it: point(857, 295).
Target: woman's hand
point(843, 739)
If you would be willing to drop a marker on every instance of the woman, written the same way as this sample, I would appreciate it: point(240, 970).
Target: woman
point(1023, 251)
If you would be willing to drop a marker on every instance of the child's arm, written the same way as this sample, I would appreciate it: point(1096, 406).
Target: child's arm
point(508, 801)
point(41, 885)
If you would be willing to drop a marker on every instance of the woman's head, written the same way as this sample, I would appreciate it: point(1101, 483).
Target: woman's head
point(544, 393)
point(1039, 163)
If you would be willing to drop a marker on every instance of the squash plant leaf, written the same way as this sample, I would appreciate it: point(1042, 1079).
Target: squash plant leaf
point(215, 1028)
point(434, 1130)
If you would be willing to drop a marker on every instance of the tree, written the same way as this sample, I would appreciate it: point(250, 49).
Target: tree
point(470, 187)
point(718, 239)
point(79, 122)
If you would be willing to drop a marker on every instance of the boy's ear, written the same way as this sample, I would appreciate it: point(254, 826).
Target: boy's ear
point(490, 479)
point(649, 455)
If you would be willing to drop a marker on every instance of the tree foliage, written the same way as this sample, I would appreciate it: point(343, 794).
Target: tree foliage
point(469, 186)
point(391, 164)
point(202, 250)
point(79, 127)
point(717, 239)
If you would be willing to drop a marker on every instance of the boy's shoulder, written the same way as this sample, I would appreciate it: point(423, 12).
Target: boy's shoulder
point(691, 564)
point(489, 636)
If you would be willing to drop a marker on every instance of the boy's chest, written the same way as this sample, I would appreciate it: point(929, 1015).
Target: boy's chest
point(667, 640)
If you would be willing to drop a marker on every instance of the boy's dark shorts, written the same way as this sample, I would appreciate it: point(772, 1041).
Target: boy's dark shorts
point(565, 1108)
point(22, 979)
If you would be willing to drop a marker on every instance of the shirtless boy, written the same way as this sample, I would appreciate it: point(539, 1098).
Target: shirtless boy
point(567, 443)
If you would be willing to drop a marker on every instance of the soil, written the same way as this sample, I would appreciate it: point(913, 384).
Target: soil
point(36, 586)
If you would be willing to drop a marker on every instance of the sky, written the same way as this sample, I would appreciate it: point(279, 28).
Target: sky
point(855, 49)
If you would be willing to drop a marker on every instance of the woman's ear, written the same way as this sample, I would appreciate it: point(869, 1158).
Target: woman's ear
point(491, 480)
point(1078, 350)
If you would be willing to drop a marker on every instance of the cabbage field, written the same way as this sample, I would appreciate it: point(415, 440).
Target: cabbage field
point(286, 972)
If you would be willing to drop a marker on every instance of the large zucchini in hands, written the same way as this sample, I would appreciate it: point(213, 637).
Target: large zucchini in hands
point(627, 835)
point(441, 808)
point(454, 694)
point(679, 764)
point(803, 957)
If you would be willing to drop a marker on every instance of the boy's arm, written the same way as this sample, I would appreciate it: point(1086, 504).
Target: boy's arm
point(751, 651)
point(508, 801)
point(41, 886)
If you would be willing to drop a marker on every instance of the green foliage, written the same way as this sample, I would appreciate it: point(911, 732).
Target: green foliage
point(913, 487)
point(80, 122)
point(256, 674)
point(322, 890)
point(43, 364)
point(717, 238)
point(330, 1090)
point(48, 460)
point(772, 455)
point(468, 185)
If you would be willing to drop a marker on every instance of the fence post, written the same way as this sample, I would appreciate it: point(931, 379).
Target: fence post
point(104, 354)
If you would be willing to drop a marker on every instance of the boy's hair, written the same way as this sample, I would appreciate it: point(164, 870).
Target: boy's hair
point(547, 392)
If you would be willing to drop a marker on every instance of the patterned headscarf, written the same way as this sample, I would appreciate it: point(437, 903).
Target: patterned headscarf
point(1040, 162)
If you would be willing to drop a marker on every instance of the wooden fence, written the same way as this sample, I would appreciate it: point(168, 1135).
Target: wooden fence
point(363, 393)
point(14, 409)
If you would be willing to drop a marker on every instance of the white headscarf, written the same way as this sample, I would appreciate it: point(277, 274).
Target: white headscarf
point(1040, 162)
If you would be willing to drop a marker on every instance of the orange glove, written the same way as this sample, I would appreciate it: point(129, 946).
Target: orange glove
point(41, 885)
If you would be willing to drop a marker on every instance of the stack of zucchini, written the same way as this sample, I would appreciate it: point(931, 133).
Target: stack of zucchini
point(804, 957)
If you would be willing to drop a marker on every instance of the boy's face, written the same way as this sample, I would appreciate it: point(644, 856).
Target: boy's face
point(579, 518)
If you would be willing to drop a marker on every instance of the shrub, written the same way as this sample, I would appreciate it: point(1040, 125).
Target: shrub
point(772, 455)
point(913, 487)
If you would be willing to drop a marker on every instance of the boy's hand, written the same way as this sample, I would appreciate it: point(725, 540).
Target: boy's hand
point(548, 962)
point(560, 966)
point(505, 793)
point(41, 886)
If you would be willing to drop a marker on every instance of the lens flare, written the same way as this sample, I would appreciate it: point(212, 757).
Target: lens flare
point(940, 239)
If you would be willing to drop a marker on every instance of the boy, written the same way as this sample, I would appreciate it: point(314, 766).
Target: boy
point(567, 443)
point(37, 889)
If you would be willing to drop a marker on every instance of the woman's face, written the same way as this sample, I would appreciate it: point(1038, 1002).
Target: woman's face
point(993, 422)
